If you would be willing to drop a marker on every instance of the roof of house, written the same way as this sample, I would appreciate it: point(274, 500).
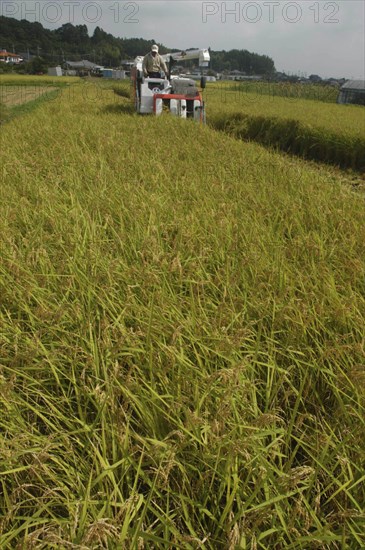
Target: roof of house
point(4, 53)
point(83, 64)
point(354, 85)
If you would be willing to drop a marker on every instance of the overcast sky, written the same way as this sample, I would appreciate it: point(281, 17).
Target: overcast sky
point(303, 36)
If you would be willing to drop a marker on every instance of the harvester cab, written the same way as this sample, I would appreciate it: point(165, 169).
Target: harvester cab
point(178, 95)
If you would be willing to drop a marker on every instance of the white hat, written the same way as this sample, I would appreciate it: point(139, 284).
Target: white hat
point(154, 48)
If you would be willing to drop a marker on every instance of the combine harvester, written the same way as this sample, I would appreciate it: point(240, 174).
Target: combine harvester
point(179, 95)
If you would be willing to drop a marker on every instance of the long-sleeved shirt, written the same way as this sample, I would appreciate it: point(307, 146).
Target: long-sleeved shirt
point(153, 64)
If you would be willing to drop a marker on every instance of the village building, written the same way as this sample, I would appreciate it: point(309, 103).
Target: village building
point(82, 68)
point(353, 91)
point(7, 57)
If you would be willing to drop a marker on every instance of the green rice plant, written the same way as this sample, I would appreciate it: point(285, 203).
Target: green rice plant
point(181, 325)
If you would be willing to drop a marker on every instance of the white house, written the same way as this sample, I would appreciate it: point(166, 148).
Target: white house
point(6, 57)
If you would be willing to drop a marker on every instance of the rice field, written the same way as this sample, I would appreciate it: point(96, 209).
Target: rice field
point(344, 120)
point(290, 90)
point(15, 95)
point(311, 129)
point(181, 337)
point(28, 80)
point(20, 94)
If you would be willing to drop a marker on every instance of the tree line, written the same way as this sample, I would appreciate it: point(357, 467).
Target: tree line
point(72, 42)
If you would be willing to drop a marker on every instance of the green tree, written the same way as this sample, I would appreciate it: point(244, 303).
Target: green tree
point(37, 66)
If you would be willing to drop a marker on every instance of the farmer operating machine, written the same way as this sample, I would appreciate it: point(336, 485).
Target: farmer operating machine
point(179, 95)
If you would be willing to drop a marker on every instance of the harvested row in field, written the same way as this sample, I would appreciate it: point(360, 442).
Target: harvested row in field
point(17, 95)
point(21, 94)
point(122, 88)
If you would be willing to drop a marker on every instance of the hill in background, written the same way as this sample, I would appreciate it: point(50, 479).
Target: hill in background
point(72, 42)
